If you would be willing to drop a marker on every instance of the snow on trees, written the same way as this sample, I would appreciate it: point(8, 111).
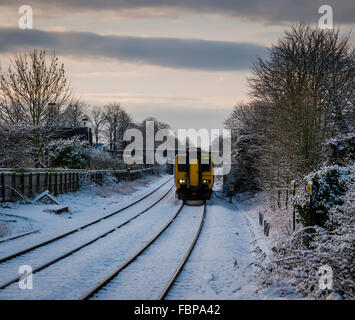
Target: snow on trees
point(15, 140)
point(33, 91)
point(329, 185)
point(299, 126)
point(331, 244)
point(302, 95)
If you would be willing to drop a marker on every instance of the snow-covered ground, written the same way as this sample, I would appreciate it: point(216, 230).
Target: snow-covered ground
point(86, 205)
point(221, 264)
point(147, 276)
point(226, 262)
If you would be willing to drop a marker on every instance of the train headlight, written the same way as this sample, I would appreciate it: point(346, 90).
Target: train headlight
point(182, 181)
point(206, 181)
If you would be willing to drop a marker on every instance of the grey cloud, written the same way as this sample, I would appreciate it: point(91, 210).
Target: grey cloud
point(165, 52)
point(267, 10)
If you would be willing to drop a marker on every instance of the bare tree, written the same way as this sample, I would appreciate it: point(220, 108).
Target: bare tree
point(117, 122)
point(97, 122)
point(302, 95)
point(30, 88)
point(74, 114)
point(143, 128)
point(33, 91)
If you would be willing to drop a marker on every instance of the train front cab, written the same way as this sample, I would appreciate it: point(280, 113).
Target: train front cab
point(193, 181)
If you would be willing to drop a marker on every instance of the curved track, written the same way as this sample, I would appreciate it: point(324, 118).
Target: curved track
point(184, 260)
point(92, 292)
point(18, 236)
point(80, 228)
point(61, 257)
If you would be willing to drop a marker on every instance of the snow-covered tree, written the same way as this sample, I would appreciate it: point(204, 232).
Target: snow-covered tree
point(33, 90)
point(329, 184)
point(247, 138)
point(15, 145)
point(70, 153)
point(330, 246)
point(302, 96)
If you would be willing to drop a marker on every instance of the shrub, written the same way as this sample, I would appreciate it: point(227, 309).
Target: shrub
point(329, 185)
point(101, 160)
point(342, 150)
point(68, 154)
point(331, 246)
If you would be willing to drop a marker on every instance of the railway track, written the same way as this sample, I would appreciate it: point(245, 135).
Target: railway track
point(102, 235)
point(18, 236)
point(184, 260)
point(92, 292)
point(78, 229)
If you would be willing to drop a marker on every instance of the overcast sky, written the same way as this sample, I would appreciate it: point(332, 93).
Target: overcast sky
point(185, 62)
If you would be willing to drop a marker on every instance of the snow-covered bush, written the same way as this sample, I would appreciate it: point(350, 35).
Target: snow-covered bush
point(342, 149)
point(329, 184)
point(331, 246)
point(68, 154)
point(100, 160)
point(15, 144)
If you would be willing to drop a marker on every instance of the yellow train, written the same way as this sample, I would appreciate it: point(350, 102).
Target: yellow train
point(194, 177)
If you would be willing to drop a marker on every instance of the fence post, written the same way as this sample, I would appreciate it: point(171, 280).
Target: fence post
point(3, 191)
point(56, 183)
point(70, 182)
point(61, 182)
point(38, 186)
point(30, 185)
point(261, 218)
point(46, 178)
point(266, 227)
point(23, 183)
point(13, 184)
point(50, 182)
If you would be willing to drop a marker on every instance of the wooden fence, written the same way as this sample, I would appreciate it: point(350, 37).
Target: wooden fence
point(15, 185)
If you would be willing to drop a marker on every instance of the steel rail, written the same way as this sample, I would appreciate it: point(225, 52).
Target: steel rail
point(61, 257)
point(19, 253)
point(101, 284)
point(18, 236)
point(184, 260)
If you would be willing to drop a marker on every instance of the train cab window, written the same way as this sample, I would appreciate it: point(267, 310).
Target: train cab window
point(182, 166)
point(205, 167)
